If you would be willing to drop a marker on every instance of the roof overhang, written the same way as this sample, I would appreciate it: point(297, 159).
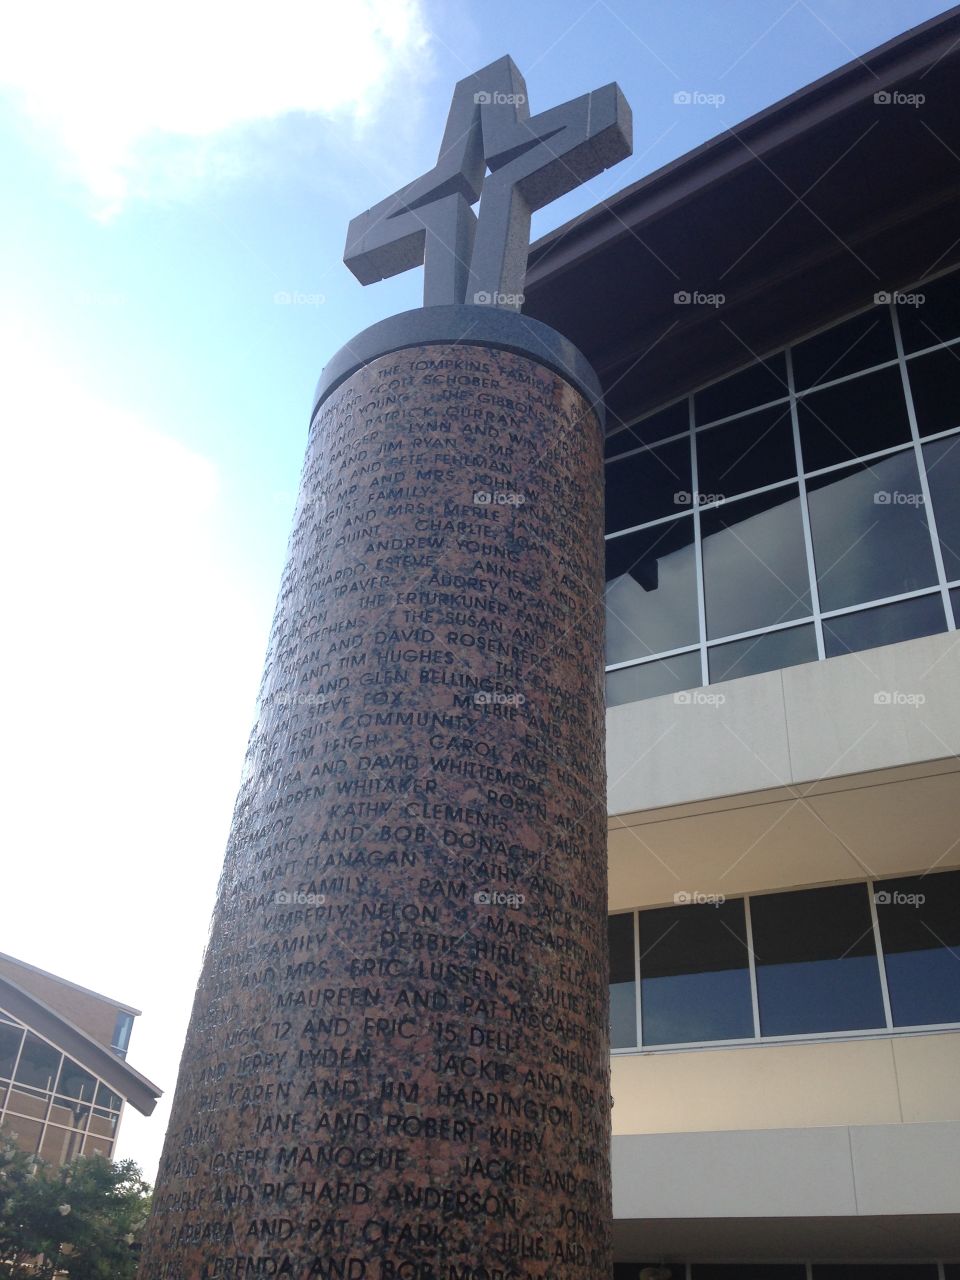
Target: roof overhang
point(798, 216)
point(119, 1075)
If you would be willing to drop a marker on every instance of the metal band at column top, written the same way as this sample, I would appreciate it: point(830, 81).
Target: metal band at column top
point(467, 326)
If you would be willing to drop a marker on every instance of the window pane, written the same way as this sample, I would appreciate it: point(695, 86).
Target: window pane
point(69, 1113)
point(942, 460)
point(888, 624)
point(935, 383)
point(658, 426)
point(694, 974)
point(9, 1047)
point(768, 652)
point(875, 1271)
point(858, 343)
point(623, 985)
point(75, 1082)
point(754, 563)
point(94, 1146)
point(920, 929)
point(762, 382)
point(937, 320)
point(870, 534)
point(108, 1099)
point(746, 454)
point(26, 1133)
point(857, 417)
point(39, 1063)
point(816, 961)
point(651, 594)
point(748, 1271)
point(653, 679)
point(647, 485)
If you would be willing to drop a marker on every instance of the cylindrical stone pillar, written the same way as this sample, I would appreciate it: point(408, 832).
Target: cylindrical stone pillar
point(397, 1067)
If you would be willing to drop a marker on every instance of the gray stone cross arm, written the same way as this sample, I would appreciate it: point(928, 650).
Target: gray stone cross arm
point(531, 161)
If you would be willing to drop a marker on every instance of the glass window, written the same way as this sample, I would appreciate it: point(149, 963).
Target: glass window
point(888, 624)
point(623, 983)
point(942, 460)
point(875, 1271)
point(861, 416)
point(748, 1271)
point(935, 383)
point(94, 1146)
point(648, 484)
point(762, 382)
point(859, 343)
point(659, 426)
point(754, 562)
point(653, 679)
point(69, 1112)
point(694, 973)
point(769, 652)
point(919, 921)
point(651, 594)
point(121, 1033)
point(745, 454)
point(26, 1132)
point(816, 961)
point(39, 1063)
point(59, 1145)
point(937, 319)
point(108, 1099)
point(103, 1123)
point(75, 1082)
point(870, 534)
point(10, 1038)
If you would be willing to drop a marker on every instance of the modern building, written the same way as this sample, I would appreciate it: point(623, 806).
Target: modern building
point(776, 320)
point(64, 1078)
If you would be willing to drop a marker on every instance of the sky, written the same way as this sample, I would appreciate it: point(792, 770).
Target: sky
point(178, 181)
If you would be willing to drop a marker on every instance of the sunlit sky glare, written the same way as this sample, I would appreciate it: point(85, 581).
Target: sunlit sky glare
point(167, 172)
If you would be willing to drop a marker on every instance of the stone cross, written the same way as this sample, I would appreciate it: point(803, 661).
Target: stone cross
point(531, 160)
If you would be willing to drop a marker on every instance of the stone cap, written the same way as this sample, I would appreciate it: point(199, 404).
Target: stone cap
point(468, 326)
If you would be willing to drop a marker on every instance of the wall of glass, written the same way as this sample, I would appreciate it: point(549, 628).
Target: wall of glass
point(879, 956)
point(802, 508)
point(56, 1108)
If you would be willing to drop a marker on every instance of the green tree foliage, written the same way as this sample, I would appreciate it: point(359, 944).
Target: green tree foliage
point(81, 1220)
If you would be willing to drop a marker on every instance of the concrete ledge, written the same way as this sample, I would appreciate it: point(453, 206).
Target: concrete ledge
point(863, 1171)
point(880, 709)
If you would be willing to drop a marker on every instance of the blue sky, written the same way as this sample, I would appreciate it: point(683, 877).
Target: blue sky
point(168, 171)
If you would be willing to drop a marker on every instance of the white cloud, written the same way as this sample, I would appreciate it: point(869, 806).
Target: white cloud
point(131, 657)
point(119, 84)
